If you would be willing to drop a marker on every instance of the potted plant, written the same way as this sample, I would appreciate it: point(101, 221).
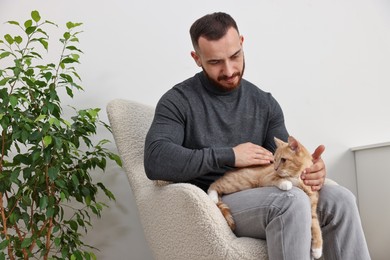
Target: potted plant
point(46, 159)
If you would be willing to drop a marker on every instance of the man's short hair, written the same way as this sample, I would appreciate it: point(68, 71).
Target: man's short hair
point(212, 27)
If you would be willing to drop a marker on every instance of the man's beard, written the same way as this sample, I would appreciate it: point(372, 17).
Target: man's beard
point(221, 86)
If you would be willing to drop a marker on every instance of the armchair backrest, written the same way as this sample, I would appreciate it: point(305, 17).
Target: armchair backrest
point(130, 122)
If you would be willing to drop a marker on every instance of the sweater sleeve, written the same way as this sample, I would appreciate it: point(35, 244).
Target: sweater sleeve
point(165, 158)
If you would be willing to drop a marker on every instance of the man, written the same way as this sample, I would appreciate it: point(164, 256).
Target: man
point(216, 121)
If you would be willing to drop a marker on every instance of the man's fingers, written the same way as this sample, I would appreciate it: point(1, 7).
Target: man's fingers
point(317, 153)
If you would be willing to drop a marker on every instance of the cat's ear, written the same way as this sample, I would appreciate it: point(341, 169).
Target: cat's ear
point(293, 144)
point(278, 142)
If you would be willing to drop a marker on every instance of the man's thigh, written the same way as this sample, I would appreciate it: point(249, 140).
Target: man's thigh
point(253, 209)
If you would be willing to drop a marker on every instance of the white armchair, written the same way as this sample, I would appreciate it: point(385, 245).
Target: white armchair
point(179, 220)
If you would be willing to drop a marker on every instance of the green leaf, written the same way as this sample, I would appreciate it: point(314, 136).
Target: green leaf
point(66, 35)
point(9, 39)
point(88, 200)
point(50, 212)
point(63, 196)
point(31, 29)
point(21, 158)
point(87, 256)
point(71, 25)
point(54, 121)
point(25, 135)
point(73, 48)
point(75, 180)
point(48, 76)
point(60, 183)
point(26, 242)
point(35, 16)
point(73, 225)
point(108, 193)
point(13, 100)
point(93, 255)
point(39, 118)
point(36, 54)
point(13, 22)
point(43, 202)
point(68, 60)
point(4, 81)
point(28, 23)
point(36, 155)
point(15, 176)
point(53, 173)
point(18, 39)
point(116, 158)
point(44, 43)
point(93, 112)
point(68, 91)
point(4, 54)
point(75, 56)
point(66, 77)
point(4, 244)
point(47, 140)
point(57, 241)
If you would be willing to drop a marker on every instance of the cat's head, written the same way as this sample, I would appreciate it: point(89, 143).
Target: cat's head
point(291, 158)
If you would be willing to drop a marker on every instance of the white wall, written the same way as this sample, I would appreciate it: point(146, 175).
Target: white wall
point(327, 62)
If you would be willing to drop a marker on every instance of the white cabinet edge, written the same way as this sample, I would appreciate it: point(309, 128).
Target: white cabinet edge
point(371, 146)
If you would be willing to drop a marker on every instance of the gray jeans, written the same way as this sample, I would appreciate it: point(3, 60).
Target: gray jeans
point(283, 219)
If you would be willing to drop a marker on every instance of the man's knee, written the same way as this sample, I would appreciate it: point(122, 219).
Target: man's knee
point(301, 199)
point(297, 202)
point(335, 196)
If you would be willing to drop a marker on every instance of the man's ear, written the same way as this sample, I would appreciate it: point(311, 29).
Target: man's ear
point(196, 58)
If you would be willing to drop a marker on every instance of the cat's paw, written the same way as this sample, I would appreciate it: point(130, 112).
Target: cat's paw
point(316, 252)
point(285, 185)
point(213, 194)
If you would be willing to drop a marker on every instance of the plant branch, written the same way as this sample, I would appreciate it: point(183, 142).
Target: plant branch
point(5, 229)
point(21, 238)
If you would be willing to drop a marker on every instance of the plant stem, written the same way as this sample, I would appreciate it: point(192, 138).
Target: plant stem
point(2, 150)
point(50, 227)
point(48, 235)
point(21, 238)
point(5, 231)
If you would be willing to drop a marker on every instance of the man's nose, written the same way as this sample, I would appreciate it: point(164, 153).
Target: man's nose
point(228, 69)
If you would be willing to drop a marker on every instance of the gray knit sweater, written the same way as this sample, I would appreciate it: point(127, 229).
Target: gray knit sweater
point(196, 126)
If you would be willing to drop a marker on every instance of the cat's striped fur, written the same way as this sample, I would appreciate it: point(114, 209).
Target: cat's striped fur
point(290, 160)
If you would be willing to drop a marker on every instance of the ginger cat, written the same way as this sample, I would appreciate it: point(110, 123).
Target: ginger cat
point(290, 160)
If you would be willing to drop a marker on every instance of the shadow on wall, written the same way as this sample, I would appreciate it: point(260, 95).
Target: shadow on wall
point(341, 169)
point(119, 229)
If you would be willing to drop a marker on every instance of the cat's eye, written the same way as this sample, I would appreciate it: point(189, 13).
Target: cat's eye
point(283, 160)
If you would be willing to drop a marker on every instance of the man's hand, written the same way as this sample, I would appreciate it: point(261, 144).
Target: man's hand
point(315, 175)
point(249, 154)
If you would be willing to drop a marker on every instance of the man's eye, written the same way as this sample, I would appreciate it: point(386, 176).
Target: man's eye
point(236, 56)
point(214, 62)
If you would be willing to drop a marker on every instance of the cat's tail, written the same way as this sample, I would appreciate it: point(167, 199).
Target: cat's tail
point(225, 210)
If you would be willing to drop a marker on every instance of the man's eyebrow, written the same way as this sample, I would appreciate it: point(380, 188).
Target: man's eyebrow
point(237, 52)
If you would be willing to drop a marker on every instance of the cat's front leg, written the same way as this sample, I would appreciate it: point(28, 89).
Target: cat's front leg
point(285, 185)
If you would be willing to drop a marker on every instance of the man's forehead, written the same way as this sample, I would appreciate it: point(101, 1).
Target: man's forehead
point(225, 47)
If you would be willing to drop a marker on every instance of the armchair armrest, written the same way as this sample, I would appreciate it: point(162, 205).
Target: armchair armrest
point(181, 214)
